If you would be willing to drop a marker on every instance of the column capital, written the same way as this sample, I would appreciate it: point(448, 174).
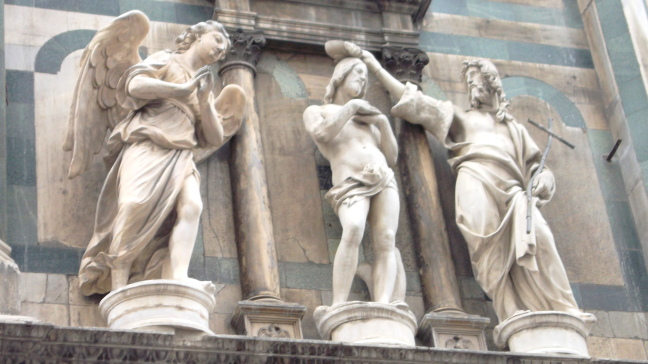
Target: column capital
point(245, 50)
point(406, 64)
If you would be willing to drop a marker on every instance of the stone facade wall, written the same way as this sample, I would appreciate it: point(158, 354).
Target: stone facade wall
point(547, 65)
point(543, 55)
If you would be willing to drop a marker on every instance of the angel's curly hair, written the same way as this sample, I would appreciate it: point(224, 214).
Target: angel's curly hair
point(186, 39)
point(493, 82)
point(342, 69)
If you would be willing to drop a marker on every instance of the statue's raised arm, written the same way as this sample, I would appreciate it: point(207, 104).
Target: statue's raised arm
point(95, 108)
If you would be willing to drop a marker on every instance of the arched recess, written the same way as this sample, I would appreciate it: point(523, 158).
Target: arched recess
point(289, 82)
point(51, 55)
point(569, 113)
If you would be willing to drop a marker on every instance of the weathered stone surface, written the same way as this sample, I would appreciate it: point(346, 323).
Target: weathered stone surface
point(544, 332)
point(162, 305)
point(227, 298)
point(34, 285)
point(602, 327)
point(268, 318)
point(57, 289)
point(628, 349)
point(52, 313)
point(578, 200)
point(310, 299)
point(599, 347)
point(369, 323)
point(43, 342)
point(629, 325)
point(219, 238)
point(290, 164)
point(86, 316)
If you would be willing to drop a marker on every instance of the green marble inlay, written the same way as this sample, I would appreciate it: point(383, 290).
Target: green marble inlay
point(569, 16)
point(569, 113)
point(20, 86)
point(20, 121)
point(53, 52)
point(155, 10)
point(609, 173)
point(222, 270)
point(633, 96)
point(430, 88)
point(638, 125)
point(164, 11)
point(289, 81)
point(502, 49)
point(622, 56)
point(191, 14)
point(21, 216)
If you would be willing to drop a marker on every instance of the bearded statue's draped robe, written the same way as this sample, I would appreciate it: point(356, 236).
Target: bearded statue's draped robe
point(151, 152)
point(518, 271)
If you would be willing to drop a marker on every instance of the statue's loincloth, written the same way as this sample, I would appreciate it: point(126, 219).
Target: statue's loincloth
point(366, 183)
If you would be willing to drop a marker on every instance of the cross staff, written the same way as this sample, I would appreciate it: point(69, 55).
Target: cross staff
point(541, 166)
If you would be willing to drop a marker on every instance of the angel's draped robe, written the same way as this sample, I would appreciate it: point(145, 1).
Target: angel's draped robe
point(152, 152)
point(518, 271)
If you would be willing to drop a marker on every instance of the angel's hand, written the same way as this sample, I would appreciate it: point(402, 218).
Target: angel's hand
point(185, 89)
point(205, 84)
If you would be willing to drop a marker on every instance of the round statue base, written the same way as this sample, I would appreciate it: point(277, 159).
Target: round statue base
point(367, 323)
point(162, 306)
point(544, 332)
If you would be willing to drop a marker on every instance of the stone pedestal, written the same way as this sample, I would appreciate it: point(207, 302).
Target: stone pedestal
point(269, 319)
point(454, 331)
point(162, 306)
point(544, 332)
point(367, 323)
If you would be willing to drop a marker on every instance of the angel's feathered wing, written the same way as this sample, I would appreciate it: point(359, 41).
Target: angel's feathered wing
point(94, 108)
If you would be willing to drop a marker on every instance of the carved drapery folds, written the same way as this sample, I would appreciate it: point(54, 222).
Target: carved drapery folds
point(245, 50)
point(446, 325)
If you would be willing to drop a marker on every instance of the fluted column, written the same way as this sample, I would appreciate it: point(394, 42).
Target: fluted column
point(436, 267)
point(263, 312)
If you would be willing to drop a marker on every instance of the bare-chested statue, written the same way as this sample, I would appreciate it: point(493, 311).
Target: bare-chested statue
point(493, 158)
point(358, 141)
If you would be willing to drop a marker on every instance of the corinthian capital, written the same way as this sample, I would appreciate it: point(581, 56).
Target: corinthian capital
point(405, 64)
point(245, 50)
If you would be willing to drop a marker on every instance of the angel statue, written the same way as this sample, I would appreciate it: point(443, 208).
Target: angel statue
point(158, 111)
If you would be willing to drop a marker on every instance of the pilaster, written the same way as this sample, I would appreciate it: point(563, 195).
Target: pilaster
point(252, 215)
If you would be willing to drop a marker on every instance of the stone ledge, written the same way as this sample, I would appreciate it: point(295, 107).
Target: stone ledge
point(48, 343)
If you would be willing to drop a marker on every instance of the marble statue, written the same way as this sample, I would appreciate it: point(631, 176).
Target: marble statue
point(358, 141)
point(493, 159)
point(158, 111)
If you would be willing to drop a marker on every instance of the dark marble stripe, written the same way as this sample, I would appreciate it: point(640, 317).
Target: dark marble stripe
point(162, 11)
point(568, 17)
point(507, 50)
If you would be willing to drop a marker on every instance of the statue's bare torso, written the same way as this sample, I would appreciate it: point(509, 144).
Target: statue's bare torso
point(354, 147)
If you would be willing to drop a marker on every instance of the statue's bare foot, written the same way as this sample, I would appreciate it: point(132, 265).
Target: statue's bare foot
point(208, 286)
point(401, 305)
point(319, 312)
point(588, 318)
